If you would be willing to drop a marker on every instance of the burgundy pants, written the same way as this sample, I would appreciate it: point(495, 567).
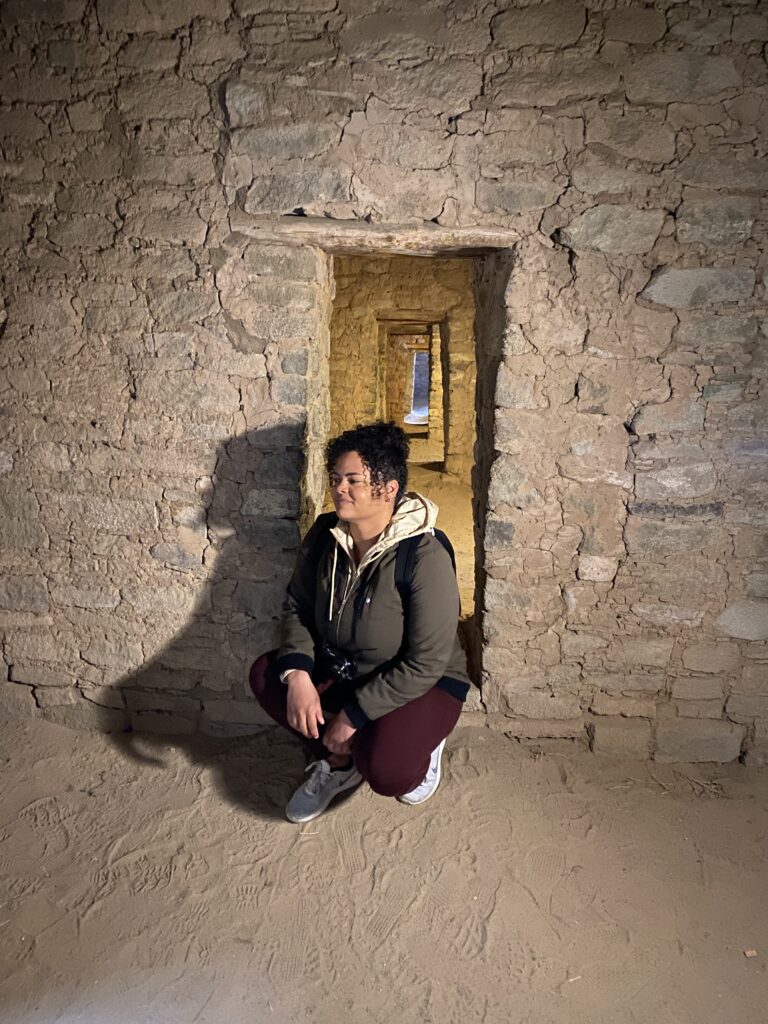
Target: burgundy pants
point(391, 753)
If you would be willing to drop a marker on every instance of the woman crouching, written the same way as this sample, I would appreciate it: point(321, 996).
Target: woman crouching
point(370, 672)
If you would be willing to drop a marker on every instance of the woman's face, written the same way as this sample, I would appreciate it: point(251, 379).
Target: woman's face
point(353, 495)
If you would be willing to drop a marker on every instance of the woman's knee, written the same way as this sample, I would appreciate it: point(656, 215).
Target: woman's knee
point(260, 674)
point(386, 778)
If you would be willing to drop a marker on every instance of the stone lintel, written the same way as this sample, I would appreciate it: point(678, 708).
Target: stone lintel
point(359, 237)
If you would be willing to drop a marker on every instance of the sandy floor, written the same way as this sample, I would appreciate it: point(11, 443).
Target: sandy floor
point(148, 882)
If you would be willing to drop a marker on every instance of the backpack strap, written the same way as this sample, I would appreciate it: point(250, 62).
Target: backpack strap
point(405, 559)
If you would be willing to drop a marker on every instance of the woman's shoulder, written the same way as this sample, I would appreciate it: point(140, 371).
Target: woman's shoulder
point(430, 549)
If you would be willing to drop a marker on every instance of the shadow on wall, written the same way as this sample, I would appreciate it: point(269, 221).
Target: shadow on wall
point(193, 694)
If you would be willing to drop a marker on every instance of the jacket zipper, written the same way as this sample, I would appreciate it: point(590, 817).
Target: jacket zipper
point(348, 588)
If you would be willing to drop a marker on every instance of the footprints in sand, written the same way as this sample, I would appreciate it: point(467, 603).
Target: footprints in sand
point(290, 961)
point(453, 913)
point(349, 840)
point(393, 905)
point(45, 817)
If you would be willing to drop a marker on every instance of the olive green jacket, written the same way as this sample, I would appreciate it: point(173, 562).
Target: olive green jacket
point(359, 610)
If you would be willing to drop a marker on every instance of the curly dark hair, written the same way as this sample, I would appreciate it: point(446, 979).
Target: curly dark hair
point(383, 449)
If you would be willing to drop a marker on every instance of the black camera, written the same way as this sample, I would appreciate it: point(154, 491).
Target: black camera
point(336, 664)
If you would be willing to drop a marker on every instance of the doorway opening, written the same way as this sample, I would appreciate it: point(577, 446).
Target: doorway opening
point(402, 348)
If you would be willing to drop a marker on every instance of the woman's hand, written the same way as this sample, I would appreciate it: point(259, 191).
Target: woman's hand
point(304, 711)
point(338, 736)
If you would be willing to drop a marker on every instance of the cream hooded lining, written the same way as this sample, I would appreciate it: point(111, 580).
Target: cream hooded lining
point(414, 515)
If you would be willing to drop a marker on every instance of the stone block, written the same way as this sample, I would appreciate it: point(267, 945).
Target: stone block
point(661, 78)
point(706, 687)
point(599, 170)
point(162, 723)
point(743, 707)
point(391, 35)
point(57, 697)
point(518, 137)
point(756, 584)
point(689, 481)
point(514, 390)
point(717, 339)
point(712, 657)
point(703, 31)
point(575, 645)
point(113, 652)
point(287, 262)
point(627, 738)
point(720, 220)
point(79, 232)
point(678, 415)
point(627, 684)
point(40, 675)
point(723, 171)
point(105, 696)
point(635, 25)
point(748, 28)
point(440, 85)
point(160, 16)
point(123, 516)
point(509, 604)
point(151, 700)
point(51, 12)
point(637, 134)
point(614, 229)
point(161, 169)
point(20, 527)
point(174, 227)
point(246, 101)
point(301, 140)
point(17, 701)
point(510, 198)
point(228, 730)
point(664, 615)
point(597, 568)
point(552, 79)
point(510, 486)
point(699, 708)
point(142, 98)
point(723, 391)
point(87, 716)
point(175, 555)
point(701, 286)
point(745, 620)
point(689, 740)
point(754, 680)
point(534, 729)
point(545, 25)
point(147, 53)
point(23, 594)
point(244, 712)
point(658, 540)
point(307, 188)
point(647, 652)
point(22, 124)
point(261, 501)
point(627, 707)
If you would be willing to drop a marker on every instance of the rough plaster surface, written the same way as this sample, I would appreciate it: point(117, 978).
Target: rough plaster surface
point(164, 361)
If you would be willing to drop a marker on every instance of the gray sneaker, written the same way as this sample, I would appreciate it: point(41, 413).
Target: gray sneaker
point(425, 789)
point(316, 792)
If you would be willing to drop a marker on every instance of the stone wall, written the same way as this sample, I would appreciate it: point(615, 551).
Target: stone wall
point(374, 292)
point(166, 336)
